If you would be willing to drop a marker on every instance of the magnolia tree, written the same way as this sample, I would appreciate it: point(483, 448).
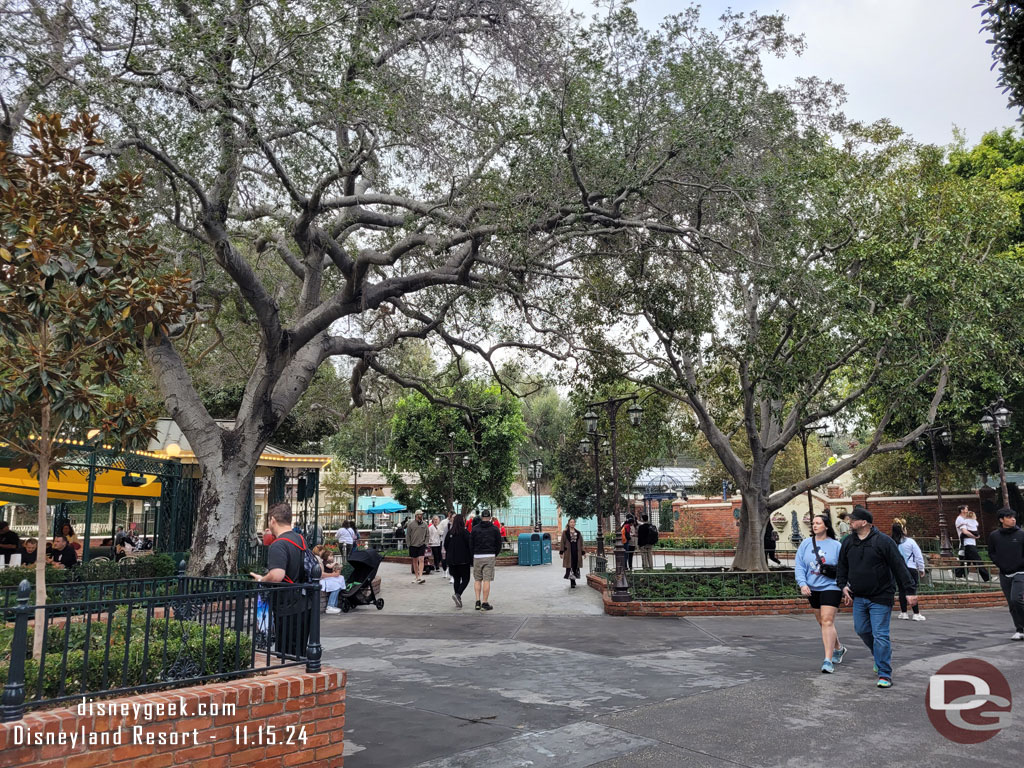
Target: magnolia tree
point(762, 261)
point(81, 292)
point(338, 171)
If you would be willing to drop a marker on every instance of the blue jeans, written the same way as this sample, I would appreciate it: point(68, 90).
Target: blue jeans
point(871, 622)
point(332, 598)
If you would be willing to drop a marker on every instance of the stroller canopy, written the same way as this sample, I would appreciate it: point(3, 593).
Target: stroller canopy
point(369, 559)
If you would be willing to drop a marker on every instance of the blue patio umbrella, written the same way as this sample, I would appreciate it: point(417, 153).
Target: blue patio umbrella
point(386, 507)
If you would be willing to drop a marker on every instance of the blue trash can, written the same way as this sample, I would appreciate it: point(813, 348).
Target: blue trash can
point(529, 550)
point(545, 548)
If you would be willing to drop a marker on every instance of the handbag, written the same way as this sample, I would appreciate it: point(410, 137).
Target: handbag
point(828, 571)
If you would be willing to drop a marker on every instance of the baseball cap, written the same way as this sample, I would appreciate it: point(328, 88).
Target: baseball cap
point(859, 513)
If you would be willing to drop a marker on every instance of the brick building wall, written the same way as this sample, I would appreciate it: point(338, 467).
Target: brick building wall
point(713, 519)
point(210, 735)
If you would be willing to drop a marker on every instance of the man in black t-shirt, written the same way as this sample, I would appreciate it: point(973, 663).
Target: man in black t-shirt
point(64, 555)
point(285, 565)
point(9, 542)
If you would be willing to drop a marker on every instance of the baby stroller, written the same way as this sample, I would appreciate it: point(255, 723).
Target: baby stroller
point(359, 591)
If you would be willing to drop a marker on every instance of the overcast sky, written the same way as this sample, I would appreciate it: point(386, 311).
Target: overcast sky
point(921, 63)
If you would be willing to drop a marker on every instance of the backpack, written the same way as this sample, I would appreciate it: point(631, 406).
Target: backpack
point(309, 562)
point(652, 535)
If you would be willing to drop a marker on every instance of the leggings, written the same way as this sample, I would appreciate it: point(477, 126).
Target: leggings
point(436, 552)
point(912, 591)
point(461, 575)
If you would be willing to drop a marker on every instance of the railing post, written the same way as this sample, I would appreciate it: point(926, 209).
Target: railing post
point(182, 579)
point(314, 651)
point(12, 703)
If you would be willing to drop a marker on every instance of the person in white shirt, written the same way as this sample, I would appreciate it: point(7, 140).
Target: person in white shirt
point(967, 529)
point(442, 529)
point(914, 559)
point(346, 537)
point(434, 541)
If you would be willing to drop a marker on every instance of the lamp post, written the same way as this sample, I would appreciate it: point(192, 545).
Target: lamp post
point(805, 433)
point(453, 458)
point(534, 470)
point(945, 548)
point(600, 561)
point(996, 418)
point(620, 591)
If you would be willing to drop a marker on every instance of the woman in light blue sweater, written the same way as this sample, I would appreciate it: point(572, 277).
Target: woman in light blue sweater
point(816, 561)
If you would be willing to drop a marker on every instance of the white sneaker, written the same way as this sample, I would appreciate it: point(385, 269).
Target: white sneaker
point(903, 616)
point(416, 581)
point(332, 609)
point(451, 579)
point(1018, 636)
point(919, 617)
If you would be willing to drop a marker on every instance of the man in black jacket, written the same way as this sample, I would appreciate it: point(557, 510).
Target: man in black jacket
point(647, 537)
point(1006, 548)
point(486, 539)
point(870, 563)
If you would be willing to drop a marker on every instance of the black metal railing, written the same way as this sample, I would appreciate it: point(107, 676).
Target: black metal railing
point(163, 633)
point(761, 585)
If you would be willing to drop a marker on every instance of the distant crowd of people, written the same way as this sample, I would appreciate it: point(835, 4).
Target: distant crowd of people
point(64, 551)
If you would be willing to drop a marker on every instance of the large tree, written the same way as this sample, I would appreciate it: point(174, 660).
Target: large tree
point(371, 152)
point(484, 424)
point(1004, 21)
point(769, 265)
point(81, 290)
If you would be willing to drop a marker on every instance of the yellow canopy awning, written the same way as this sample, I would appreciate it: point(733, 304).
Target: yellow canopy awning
point(73, 485)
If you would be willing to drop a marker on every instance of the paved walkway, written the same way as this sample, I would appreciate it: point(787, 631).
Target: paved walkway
point(547, 680)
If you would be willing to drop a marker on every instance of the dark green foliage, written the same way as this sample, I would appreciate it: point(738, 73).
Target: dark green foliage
point(1004, 21)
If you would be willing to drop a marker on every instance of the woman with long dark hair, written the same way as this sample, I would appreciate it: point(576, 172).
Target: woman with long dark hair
point(572, 552)
point(816, 561)
point(915, 564)
point(459, 550)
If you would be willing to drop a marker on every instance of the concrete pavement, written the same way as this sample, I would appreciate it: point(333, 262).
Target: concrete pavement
point(547, 680)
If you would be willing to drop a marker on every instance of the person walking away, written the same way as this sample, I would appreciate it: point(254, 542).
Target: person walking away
point(817, 559)
point(434, 540)
point(572, 552)
point(869, 566)
point(416, 532)
point(771, 536)
point(345, 540)
point(629, 540)
point(399, 534)
point(1006, 548)
point(486, 539)
point(843, 530)
point(967, 527)
point(459, 549)
point(646, 538)
point(286, 565)
point(914, 560)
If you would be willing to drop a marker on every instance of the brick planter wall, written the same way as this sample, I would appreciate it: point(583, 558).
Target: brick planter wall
point(768, 607)
point(288, 698)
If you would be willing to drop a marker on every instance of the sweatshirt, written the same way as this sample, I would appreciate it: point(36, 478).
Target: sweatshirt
point(871, 566)
point(459, 547)
point(912, 555)
point(416, 533)
point(486, 538)
point(1006, 548)
point(808, 568)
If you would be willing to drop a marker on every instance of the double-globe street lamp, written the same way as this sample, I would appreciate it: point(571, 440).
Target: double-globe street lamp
point(534, 470)
point(940, 432)
point(996, 418)
point(453, 458)
point(620, 591)
point(586, 446)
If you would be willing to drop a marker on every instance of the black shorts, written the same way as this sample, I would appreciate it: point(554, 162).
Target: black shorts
point(826, 597)
point(418, 551)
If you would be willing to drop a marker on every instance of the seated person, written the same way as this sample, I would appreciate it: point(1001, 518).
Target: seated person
point(29, 551)
point(331, 581)
point(10, 544)
point(64, 555)
point(122, 550)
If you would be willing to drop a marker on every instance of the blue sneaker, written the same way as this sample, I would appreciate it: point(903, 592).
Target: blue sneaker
point(826, 667)
point(838, 654)
point(884, 682)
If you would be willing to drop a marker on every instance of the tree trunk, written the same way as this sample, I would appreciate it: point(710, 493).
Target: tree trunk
point(750, 543)
point(223, 493)
point(43, 458)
